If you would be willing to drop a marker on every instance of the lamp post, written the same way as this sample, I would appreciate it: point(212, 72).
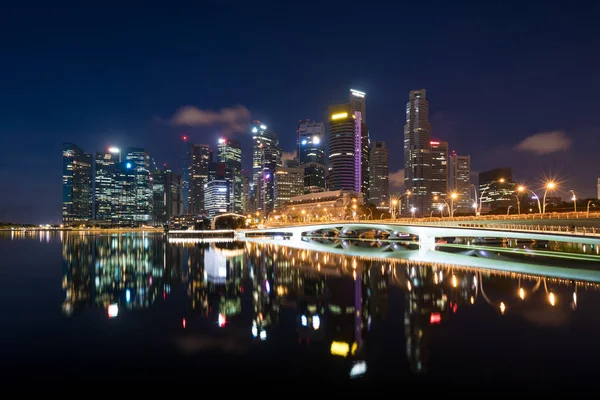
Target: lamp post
point(549, 186)
point(395, 201)
point(518, 204)
point(523, 189)
point(450, 206)
point(574, 201)
point(412, 210)
point(311, 210)
point(588, 206)
point(453, 196)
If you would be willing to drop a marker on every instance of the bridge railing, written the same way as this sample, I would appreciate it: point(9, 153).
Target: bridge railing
point(442, 220)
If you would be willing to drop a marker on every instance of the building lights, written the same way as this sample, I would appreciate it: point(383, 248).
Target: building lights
point(339, 116)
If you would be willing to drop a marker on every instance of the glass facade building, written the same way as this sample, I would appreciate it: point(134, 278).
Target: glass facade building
point(379, 191)
point(77, 185)
point(200, 157)
point(417, 152)
point(349, 145)
point(266, 157)
point(229, 151)
point(311, 142)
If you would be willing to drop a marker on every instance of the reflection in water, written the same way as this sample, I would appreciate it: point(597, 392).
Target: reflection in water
point(336, 299)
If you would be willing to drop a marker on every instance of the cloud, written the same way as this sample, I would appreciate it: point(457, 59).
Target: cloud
point(397, 180)
point(545, 143)
point(288, 155)
point(234, 119)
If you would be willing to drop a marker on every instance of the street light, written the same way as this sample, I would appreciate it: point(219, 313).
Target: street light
point(412, 210)
point(549, 186)
point(523, 189)
point(395, 201)
point(453, 196)
point(574, 201)
point(588, 206)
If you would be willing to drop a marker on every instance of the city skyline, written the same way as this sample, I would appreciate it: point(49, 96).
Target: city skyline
point(475, 78)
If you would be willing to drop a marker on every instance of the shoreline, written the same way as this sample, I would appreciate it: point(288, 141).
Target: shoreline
point(94, 230)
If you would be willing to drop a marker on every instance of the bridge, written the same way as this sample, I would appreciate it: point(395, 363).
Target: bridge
point(426, 234)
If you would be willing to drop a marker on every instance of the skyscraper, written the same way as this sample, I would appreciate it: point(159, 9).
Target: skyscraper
point(310, 141)
point(124, 195)
point(200, 157)
point(229, 151)
point(348, 150)
point(159, 196)
point(77, 185)
point(439, 173)
point(417, 151)
point(289, 182)
point(246, 197)
point(217, 191)
point(460, 181)
point(379, 191)
point(186, 176)
point(173, 194)
point(105, 183)
point(138, 160)
point(266, 157)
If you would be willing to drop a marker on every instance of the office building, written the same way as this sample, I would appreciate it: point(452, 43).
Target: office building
point(439, 174)
point(417, 152)
point(289, 182)
point(138, 162)
point(159, 196)
point(186, 166)
point(311, 142)
point(220, 171)
point(229, 151)
point(379, 191)
point(77, 185)
point(105, 184)
point(496, 190)
point(200, 157)
point(246, 196)
point(266, 157)
point(173, 194)
point(217, 197)
point(348, 167)
point(124, 196)
point(460, 181)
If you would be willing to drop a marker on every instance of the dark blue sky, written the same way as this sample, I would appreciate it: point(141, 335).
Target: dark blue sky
point(496, 73)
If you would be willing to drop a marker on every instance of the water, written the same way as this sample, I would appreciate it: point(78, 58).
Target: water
point(119, 305)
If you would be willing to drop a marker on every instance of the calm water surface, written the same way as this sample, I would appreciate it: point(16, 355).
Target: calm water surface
point(80, 304)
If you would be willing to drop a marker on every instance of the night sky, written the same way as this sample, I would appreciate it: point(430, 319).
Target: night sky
point(496, 74)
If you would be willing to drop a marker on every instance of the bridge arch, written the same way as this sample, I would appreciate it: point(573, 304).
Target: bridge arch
point(213, 223)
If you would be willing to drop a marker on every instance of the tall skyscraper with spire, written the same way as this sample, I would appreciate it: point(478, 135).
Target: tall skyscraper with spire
point(417, 151)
